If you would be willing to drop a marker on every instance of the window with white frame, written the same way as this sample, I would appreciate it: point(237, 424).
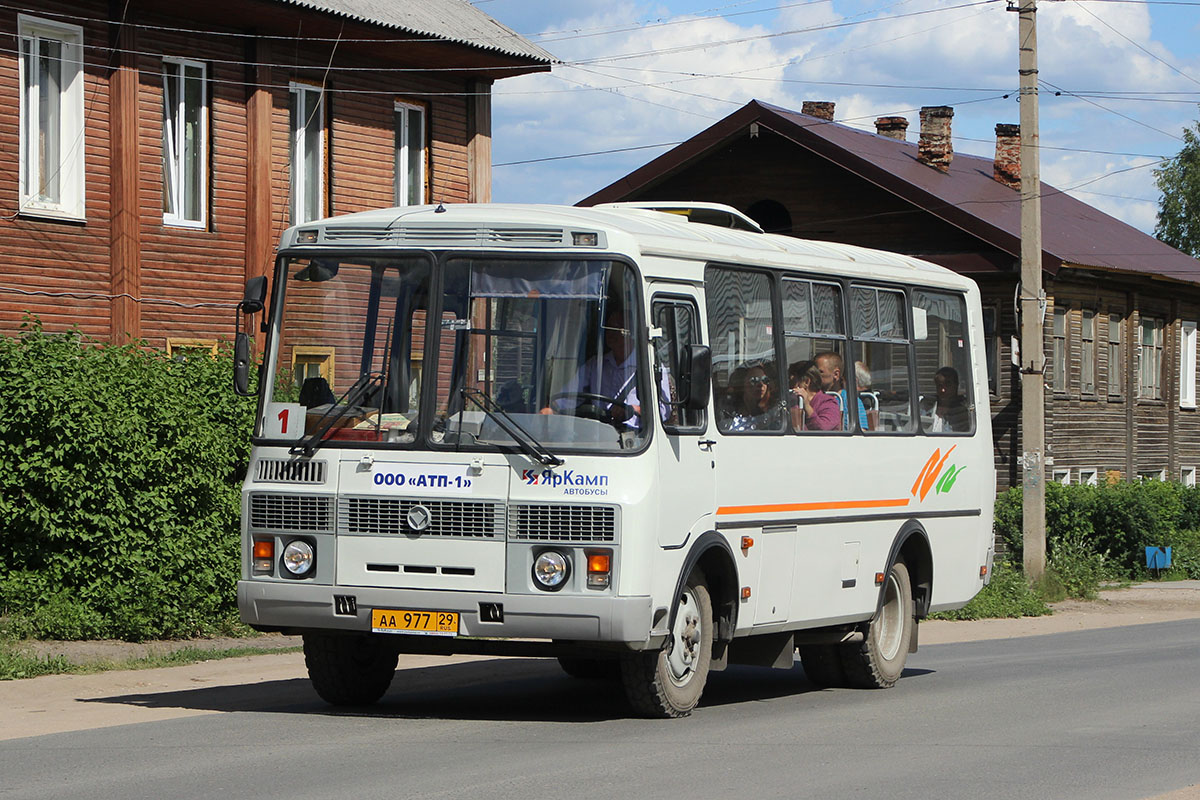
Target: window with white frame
point(185, 143)
point(1187, 365)
point(1062, 476)
point(1087, 352)
point(1089, 476)
point(307, 152)
point(1152, 475)
point(1150, 347)
point(1187, 476)
point(410, 154)
point(51, 118)
point(1059, 359)
point(1115, 368)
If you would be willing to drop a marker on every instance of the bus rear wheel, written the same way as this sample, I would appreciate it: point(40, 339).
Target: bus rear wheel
point(349, 670)
point(878, 660)
point(668, 682)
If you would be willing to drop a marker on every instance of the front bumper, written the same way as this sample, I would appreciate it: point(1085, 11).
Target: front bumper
point(302, 607)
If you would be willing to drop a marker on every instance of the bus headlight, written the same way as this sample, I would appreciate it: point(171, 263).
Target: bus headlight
point(298, 557)
point(550, 569)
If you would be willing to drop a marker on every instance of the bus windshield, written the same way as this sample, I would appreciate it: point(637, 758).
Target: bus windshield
point(513, 351)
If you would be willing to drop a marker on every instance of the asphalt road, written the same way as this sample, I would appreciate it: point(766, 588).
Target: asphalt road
point(1111, 713)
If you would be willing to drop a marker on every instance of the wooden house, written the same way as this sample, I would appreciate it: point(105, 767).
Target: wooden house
point(1122, 307)
point(151, 153)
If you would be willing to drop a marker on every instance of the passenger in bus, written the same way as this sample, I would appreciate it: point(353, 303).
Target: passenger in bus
point(947, 410)
point(758, 408)
point(869, 399)
point(832, 368)
point(613, 375)
point(812, 409)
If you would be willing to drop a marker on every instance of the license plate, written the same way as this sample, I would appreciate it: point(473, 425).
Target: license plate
point(427, 623)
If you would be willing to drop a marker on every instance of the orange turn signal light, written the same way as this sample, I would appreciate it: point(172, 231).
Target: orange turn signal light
point(747, 542)
point(983, 571)
point(263, 561)
point(599, 562)
point(745, 592)
point(879, 576)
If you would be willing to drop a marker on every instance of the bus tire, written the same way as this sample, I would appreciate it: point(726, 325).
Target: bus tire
point(349, 670)
point(823, 665)
point(668, 683)
point(878, 660)
point(591, 669)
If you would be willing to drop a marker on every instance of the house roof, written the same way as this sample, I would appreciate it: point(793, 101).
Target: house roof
point(1074, 234)
point(452, 20)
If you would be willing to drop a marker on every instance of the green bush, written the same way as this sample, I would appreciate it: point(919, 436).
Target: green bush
point(1007, 595)
point(119, 499)
point(1096, 533)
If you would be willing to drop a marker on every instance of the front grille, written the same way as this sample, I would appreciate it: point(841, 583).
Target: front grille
point(282, 470)
point(562, 523)
point(433, 234)
point(376, 515)
point(291, 512)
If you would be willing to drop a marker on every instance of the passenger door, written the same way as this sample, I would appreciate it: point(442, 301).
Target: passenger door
point(686, 472)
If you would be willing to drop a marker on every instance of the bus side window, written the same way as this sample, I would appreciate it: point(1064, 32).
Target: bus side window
point(677, 318)
point(747, 379)
point(881, 368)
point(944, 374)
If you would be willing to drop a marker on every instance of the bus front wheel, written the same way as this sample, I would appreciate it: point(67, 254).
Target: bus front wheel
point(878, 660)
point(349, 670)
point(668, 682)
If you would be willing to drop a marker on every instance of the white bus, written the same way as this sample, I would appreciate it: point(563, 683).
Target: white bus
point(606, 435)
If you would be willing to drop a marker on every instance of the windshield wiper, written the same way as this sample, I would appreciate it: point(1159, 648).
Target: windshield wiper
point(526, 441)
point(349, 399)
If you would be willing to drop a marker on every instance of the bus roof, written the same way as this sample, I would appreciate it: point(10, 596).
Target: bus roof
point(623, 229)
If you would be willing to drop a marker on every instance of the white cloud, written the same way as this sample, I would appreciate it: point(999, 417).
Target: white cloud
point(965, 51)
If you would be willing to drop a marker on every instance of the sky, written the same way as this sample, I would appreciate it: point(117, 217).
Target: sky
point(1120, 80)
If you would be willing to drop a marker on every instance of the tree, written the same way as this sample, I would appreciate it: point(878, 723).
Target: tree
point(1179, 208)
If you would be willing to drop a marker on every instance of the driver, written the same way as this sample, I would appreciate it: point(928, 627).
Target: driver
point(612, 375)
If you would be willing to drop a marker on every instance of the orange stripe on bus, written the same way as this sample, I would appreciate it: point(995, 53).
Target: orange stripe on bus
point(831, 505)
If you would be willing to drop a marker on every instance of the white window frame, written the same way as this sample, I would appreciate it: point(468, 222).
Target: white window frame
point(300, 96)
point(1089, 476)
point(1062, 476)
point(1187, 365)
point(1187, 476)
point(1153, 475)
point(172, 161)
point(409, 118)
point(31, 33)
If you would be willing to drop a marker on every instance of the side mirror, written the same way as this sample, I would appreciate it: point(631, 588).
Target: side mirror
point(695, 382)
point(241, 365)
point(254, 299)
point(255, 296)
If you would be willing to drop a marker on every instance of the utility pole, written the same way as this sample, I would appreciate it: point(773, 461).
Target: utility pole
point(1033, 305)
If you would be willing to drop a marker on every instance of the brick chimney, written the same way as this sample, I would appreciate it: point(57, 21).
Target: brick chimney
point(934, 148)
point(1007, 167)
point(892, 127)
point(818, 108)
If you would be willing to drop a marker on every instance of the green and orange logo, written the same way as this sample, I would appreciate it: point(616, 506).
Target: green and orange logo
point(928, 478)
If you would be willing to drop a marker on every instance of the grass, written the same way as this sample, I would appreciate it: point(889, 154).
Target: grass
point(15, 664)
point(1007, 596)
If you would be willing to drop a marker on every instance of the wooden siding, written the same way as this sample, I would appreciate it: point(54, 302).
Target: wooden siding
point(172, 268)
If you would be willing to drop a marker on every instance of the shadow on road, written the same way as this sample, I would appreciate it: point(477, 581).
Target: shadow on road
point(509, 689)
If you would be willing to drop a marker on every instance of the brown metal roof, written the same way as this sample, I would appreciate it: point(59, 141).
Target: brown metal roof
point(1073, 233)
